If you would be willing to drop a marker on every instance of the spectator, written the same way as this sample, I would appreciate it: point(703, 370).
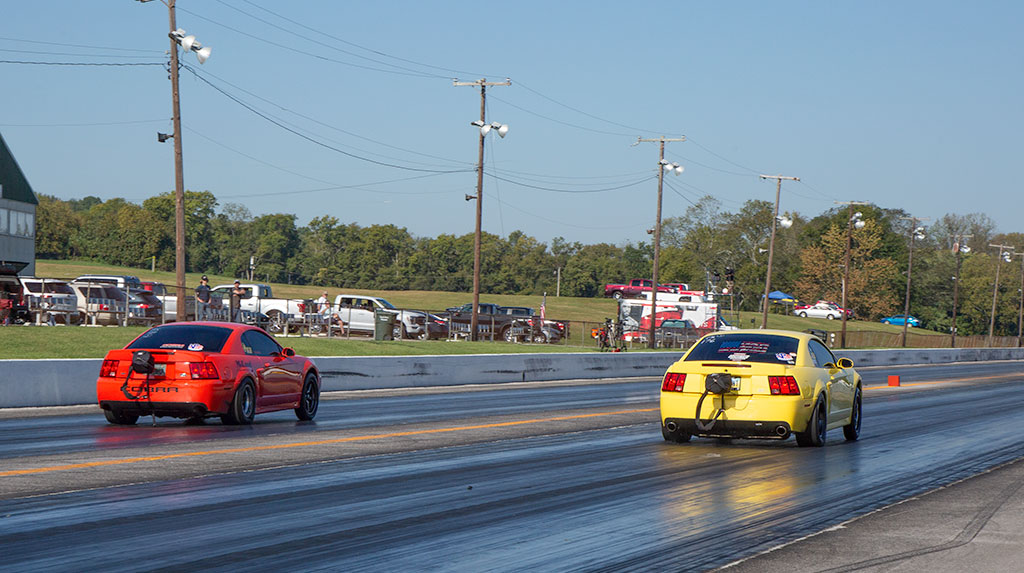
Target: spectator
point(203, 299)
point(237, 292)
point(323, 305)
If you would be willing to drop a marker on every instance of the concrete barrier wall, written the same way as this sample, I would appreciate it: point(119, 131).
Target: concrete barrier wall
point(66, 382)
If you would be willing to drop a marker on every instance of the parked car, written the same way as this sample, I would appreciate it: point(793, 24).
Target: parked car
point(169, 300)
point(821, 309)
point(900, 319)
point(437, 328)
point(281, 314)
point(634, 288)
point(51, 297)
point(357, 311)
point(13, 308)
point(198, 370)
point(677, 333)
point(762, 384)
point(99, 303)
point(144, 308)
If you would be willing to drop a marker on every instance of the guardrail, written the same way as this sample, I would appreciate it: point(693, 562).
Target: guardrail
point(73, 381)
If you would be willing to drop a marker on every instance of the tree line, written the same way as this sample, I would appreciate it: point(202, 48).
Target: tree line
point(702, 247)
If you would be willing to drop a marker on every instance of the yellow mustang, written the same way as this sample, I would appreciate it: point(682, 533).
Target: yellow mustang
point(760, 384)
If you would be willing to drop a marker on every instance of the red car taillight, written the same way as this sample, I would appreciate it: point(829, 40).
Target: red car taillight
point(783, 385)
point(202, 370)
point(673, 382)
point(109, 369)
point(302, 307)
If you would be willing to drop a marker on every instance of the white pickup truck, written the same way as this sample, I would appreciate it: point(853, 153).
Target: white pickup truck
point(281, 312)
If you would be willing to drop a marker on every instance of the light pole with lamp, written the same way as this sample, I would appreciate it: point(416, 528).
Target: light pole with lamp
point(1005, 255)
point(786, 223)
point(190, 44)
point(1020, 309)
point(959, 248)
point(485, 128)
point(663, 167)
point(915, 233)
point(853, 220)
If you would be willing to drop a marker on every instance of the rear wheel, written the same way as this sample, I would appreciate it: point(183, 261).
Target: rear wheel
point(243, 407)
point(852, 430)
point(506, 334)
point(814, 435)
point(276, 323)
point(677, 436)
point(831, 317)
point(803, 315)
point(310, 399)
point(120, 418)
point(617, 295)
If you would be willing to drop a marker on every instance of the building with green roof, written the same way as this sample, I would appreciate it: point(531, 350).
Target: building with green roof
point(17, 217)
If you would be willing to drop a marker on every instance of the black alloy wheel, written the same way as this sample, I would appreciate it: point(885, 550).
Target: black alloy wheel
point(310, 399)
point(814, 435)
point(243, 407)
point(852, 430)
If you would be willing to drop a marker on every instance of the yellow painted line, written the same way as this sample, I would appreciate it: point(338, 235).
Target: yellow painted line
point(971, 379)
point(314, 443)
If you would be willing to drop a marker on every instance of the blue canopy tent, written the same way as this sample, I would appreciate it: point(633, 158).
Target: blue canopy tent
point(779, 297)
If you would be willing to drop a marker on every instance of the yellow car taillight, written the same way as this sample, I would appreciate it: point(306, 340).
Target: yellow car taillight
point(673, 382)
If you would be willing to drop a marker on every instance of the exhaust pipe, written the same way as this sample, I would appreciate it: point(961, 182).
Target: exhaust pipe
point(781, 430)
point(671, 426)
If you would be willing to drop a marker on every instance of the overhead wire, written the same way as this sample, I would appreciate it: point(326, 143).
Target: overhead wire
point(103, 64)
point(313, 140)
point(361, 47)
point(304, 52)
point(92, 47)
point(580, 191)
point(332, 127)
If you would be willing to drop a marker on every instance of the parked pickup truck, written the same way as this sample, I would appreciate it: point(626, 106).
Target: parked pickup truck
point(282, 313)
point(634, 289)
point(501, 322)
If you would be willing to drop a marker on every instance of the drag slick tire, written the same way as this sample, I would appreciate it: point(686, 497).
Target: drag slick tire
point(243, 407)
point(852, 430)
point(677, 436)
point(814, 435)
point(120, 418)
point(309, 401)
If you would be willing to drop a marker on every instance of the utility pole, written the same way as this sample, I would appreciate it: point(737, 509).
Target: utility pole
point(995, 288)
point(1020, 311)
point(482, 84)
point(958, 250)
point(558, 282)
point(846, 265)
point(179, 176)
point(914, 232)
point(771, 244)
point(651, 341)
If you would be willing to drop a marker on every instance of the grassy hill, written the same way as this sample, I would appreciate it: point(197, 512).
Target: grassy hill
point(576, 309)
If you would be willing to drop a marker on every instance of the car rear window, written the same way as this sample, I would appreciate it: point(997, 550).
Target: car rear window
point(768, 348)
point(183, 337)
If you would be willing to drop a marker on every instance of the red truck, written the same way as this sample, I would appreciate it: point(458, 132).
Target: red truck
point(634, 289)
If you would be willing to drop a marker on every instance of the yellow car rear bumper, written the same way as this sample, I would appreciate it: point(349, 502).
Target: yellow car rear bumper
point(756, 415)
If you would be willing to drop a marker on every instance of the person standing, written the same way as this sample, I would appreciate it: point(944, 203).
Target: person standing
point(203, 299)
point(237, 292)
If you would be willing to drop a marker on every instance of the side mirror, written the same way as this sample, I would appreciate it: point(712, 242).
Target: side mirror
point(288, 352)
point(844, 363)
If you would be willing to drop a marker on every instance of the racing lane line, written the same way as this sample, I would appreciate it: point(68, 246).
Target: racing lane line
point(971, 379)
point(316, 443)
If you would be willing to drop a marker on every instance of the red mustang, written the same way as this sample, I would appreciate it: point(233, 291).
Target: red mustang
point(202, 369)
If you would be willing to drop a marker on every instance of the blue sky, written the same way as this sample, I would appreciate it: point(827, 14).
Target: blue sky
point(912, 105)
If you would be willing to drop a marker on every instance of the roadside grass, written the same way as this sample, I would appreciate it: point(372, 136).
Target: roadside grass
point(28, 342)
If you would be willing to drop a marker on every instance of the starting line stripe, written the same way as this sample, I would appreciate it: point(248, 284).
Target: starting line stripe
point(314, 443)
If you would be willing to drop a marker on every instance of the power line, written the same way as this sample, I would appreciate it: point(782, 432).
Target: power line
point(514, 182)
point(94, 124)
point(305, 53)
point(590, 115)
point(371, 50)
point(311, 139)
point(108, 64)
point(553, 120)
point(329, 126)
point(79, 45)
